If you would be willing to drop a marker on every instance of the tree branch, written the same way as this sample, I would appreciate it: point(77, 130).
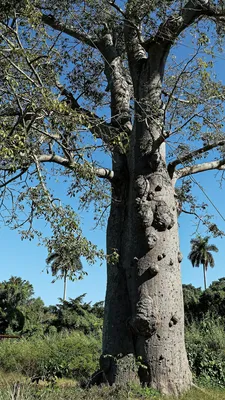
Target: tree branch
point(175, 24)
point(171, 96)
point(114, 5)
point(23, 170)
point(51, 21)
point(194, 169)
point(188, 157)
point(100, 172)
point(105, 173)
point(133, 39)
point(95, 124)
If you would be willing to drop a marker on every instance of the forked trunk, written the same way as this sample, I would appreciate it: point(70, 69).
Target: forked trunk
point(144, 316)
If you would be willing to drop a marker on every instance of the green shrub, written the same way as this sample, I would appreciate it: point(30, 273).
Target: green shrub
point(66, 354)
point(205, 344)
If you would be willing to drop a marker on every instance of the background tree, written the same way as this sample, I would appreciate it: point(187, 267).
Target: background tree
point(15, 299)
point(201, 254)
point(64, 264)
point(75, 314)
point(191, 296)
point(83, 79)
point(212, 301)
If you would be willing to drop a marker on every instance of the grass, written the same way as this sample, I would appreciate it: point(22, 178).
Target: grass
point(17, 387)
point(204, 394)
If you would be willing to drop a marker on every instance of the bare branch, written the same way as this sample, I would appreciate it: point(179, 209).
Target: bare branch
point(14, 178)
point(170, 95)
point(29, 63)
point(100, 172)
point(55, 159)
point(194, 169)
point(105, 173)
point(20, 70)
point(114, 5)
point(188, 157)
point(56, 138)
point(41, 179)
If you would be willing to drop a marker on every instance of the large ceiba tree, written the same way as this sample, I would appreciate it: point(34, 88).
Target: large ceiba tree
point(83, 78)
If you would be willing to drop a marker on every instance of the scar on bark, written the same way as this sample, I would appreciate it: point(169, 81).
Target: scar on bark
point(142, 187)
point(147, 273)
point(161, 256)
point(180, 256)
point(144, 322)
point(152, 237)
point(146, 219)
point(163, 218)
point(152, 161)
point(173, 320)
point(145, 212)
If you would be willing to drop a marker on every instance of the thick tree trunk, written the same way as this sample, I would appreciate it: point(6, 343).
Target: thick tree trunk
point(144, 317)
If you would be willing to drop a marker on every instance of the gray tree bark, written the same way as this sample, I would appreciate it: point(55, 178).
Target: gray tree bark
point(144, 317)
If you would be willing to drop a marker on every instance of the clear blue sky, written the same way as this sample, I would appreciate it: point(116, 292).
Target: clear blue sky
point(27, 260)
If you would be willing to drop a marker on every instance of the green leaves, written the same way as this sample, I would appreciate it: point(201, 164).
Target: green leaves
point(55, 124)
point(14, 295)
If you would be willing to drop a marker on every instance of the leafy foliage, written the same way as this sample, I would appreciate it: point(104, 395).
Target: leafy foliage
point(70, 355)
point(55, 76)
point(77, 315)
point(206, 348)
point(191, 303)
point(200, 304)
point(65, 340)
point(212, 300)
point(15, 294)
point(205, 335)
point(21, 313)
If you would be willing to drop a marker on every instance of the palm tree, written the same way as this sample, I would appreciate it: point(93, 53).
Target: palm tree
point(201, 254)
point(63, 265)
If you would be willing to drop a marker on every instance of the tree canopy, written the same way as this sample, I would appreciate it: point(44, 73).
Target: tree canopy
point(201, 253)
point(57, 62)
point(64, 265)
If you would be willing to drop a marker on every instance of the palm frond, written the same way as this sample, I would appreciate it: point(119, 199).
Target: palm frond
point(52, 257)
point(211, 261)
point(212, 247)
point(201, 252)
